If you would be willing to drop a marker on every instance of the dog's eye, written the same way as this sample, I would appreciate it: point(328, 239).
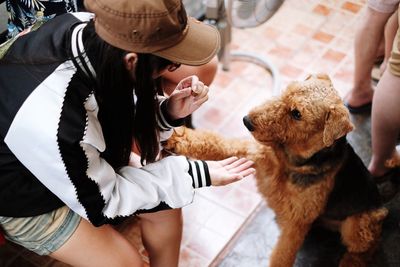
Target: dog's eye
point(295, 114)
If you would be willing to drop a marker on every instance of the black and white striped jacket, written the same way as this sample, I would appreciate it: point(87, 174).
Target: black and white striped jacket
point(51, 139)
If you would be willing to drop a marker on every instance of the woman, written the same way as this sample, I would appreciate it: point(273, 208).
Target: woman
point(79, 94)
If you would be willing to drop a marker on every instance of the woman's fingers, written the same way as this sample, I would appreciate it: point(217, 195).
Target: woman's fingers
point(188, 82)
point(183, 93)
point(247, 172)
point(198, 88)
point(201, 101)
point(236, 163)
point(241, 167)
point(228, 161)
point(229, 170)
point(244, 164)
point(231, 179)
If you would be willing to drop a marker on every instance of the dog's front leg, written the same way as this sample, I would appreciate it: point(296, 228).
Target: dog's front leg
point(289, 242)
point(206, 145)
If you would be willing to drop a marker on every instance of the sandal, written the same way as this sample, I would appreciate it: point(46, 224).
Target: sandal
point(388, 184)
point(392, 175)
point(366, 108)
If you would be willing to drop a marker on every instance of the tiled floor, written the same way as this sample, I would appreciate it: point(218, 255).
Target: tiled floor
point(304, 36)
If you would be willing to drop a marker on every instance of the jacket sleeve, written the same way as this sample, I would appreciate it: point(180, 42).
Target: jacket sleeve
point(61, 145)
point(129, 190)
point(165, 123)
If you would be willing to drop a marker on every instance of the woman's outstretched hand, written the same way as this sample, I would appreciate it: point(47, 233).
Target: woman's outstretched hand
point(188, 96)
point(229, 170)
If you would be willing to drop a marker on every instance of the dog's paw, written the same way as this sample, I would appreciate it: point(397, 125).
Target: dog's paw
point(174, 144)
point(394, 161)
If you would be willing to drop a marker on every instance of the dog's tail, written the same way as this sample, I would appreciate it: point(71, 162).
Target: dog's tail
point(394, 161)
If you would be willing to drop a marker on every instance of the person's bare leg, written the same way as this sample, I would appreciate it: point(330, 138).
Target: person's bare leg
point(367, 41)
point(385, 122)
point(390, 33)
point(162, 235)
point(103, 246)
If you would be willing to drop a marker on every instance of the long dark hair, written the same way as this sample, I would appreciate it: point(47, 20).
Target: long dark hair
point(122, 119)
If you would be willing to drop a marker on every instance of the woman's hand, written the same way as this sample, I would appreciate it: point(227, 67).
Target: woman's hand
point(187, 97)
point(229, 170)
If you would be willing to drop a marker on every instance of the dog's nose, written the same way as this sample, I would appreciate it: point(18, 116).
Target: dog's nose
point(248, 124)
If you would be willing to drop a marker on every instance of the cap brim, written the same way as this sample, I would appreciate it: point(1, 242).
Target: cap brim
point(198, 47)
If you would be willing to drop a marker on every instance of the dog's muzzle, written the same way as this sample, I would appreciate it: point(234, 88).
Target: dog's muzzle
point(248, 124)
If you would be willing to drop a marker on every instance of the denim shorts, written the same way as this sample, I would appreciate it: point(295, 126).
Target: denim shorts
point(41, 234)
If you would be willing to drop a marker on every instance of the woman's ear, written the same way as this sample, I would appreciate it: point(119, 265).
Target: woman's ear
point(130, 61)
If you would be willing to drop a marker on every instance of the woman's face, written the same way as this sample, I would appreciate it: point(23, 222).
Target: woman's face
point(158, 64)
point(173, 66)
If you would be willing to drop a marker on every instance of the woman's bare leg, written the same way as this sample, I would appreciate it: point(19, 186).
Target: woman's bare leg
point(103, 246)
point(162, 235)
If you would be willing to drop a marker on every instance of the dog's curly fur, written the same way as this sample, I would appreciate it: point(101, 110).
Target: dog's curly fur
point(306, 170)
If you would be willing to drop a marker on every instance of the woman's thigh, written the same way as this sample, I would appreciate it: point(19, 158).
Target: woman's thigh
point(98, 246)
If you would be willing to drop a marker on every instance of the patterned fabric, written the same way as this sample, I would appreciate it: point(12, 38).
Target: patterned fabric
point(24, 13)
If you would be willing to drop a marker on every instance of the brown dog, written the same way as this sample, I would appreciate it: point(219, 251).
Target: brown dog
point(306, 170)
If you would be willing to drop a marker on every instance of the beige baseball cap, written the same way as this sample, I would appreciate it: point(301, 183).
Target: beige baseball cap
point(159, 27)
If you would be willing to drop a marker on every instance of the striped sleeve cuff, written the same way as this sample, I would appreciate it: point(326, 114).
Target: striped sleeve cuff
point(198, 170)
point(164, 120)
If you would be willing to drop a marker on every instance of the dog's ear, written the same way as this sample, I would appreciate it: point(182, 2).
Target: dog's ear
point(337, 124)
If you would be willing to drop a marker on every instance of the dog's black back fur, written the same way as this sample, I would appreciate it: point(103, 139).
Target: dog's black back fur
point(355, 190)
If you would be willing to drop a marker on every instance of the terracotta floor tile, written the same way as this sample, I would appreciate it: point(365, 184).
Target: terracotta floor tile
point(344, 75)
point(291, 71)
point(303, 36)
point(242, 201)
point(294, 37)
point(337, 22)
point(281, 51)
point(303, 30)
point(225, 222)
point(216, 193)
point(207, 243)
point(189, 258)
point(308, 53)
point(322, 65)
point(322, 10)
point(348, 32)
point(323, 37)
point(200, 210)
point(334, 55)
point(190, 228)
point(343, 45)
point(352, 7)
point(271, 33)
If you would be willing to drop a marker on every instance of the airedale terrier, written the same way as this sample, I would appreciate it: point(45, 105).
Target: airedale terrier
point(306, 170)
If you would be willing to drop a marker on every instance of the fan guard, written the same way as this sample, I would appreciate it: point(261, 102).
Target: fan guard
point(250, 13)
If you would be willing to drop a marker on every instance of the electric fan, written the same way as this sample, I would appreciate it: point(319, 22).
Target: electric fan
point(225, 14)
